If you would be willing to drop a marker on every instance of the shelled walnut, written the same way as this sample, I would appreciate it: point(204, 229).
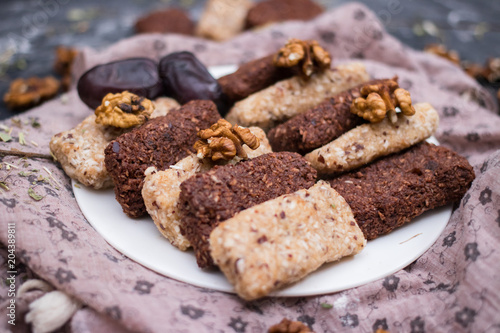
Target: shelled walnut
point(288, 326)
point(379, 99)
point(222, 141)
point(441, 51)
point(64, 63)
point(24, 93)
point(308, 55)
point(123, 110)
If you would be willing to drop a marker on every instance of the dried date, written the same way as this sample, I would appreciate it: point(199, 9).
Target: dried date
point(136, 75)
point(185, 78)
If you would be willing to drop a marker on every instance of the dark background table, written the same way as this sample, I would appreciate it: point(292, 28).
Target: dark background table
point(30, 30)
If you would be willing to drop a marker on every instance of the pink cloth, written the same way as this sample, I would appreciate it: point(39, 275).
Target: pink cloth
point(453, 287)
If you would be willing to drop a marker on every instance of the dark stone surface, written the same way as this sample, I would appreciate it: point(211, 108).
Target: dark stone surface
point(31, 29)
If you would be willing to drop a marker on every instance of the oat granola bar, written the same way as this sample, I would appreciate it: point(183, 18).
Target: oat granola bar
point(370, 141)
point(280, 241)
point(209, 198)
point(394, 190)
point(223, 19)
point(318, 125)
point(290, 97)
point(160, 142)
point(161, 189)
point(81, 149)
point(81, 152)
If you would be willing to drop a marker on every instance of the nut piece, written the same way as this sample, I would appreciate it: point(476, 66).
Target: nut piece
point(491, 71)
point(378, 99)
point(24, 93)
point(223, 142)
point(123, 110)
point(441, 51)
point(288, 326)
point(309, 55)
point(64, 63)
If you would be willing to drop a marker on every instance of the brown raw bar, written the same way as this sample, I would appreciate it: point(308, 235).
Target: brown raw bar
point(392, 191)
point(209, 198)
point(160, 142)
point(319, 125)
point(270, 11)
point(162, 21)
point(252, 77)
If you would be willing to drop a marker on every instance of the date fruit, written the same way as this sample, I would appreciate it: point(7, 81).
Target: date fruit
point(185, 78)
point(137, 75)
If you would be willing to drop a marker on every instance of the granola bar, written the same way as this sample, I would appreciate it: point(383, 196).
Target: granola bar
point(318, 125)
point(160, 142)
point(81, 152)
point(293, 96)
point(170, 20)
point(81, 149)
point(270, 11)
point(161, 189)
point(252, 77)
point(223, 19)
point(280, 241)
point(367, 142)
point(394, 190)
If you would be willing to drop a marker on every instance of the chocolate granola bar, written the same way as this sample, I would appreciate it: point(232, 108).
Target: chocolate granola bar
point(252, 77)
point(160, 142)
point(319, 125)
point(392, 191)
point(209, 198)
point(270, 11)
point(171, 20)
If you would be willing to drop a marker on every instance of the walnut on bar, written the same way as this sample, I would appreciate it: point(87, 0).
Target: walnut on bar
point(378, 100)
point(222, 141)
point(309, 56)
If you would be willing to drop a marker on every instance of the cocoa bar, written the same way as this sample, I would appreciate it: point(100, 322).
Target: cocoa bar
point(319, 125)
point(392, 191)
point(271, 11)
point(172, 20)
point(209, 198)
point(252, 77)
point(160, 142)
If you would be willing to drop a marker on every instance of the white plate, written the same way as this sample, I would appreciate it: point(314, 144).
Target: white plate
point(139, 240)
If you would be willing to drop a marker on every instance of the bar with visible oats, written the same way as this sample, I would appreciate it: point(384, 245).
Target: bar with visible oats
point(392, 191)
point(160, 142)
point(370, 141)
point(223, 19)
point(81, 149)
point(208, 198)
point(288, 98)
point(280, 241)
point(161, 189)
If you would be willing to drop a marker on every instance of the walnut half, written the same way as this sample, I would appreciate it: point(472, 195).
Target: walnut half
point(123, 110)
point(222, 141)
point(308, 55)
point(379, 99)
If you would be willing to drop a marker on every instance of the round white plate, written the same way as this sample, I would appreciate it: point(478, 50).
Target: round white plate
point(139, 240)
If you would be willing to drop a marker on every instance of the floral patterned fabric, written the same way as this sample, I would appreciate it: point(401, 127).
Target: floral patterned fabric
point(453, 287)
